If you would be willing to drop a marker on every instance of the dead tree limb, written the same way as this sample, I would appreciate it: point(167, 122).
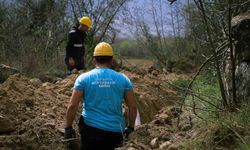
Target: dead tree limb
point(194, 108)
point(188, 91)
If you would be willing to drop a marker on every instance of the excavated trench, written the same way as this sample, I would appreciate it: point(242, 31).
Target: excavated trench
point(32, 113)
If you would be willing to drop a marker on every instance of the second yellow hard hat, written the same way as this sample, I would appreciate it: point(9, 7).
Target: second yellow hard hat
point(86, 21)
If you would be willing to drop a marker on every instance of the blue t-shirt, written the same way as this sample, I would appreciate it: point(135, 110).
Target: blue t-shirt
point(103, 90)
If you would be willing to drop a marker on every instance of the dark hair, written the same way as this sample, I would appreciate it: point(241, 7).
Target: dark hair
point(77, 24)
point(103, 59)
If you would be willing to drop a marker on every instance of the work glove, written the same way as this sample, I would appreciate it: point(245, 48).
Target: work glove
point(70, 139)
point(127, 131)
point(69, 134)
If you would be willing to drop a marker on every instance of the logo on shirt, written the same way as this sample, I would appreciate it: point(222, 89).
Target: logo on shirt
point(103, 83)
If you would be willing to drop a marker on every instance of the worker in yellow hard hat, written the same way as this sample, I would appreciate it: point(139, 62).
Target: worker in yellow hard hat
point(74, 58)
point(101, 91)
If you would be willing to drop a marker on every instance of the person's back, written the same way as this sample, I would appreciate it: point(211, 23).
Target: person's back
point(102, 125)
point(104, 90)
point(75, 47)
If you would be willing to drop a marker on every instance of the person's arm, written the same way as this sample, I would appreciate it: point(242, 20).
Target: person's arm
point(70, 45)
point(73, 106)
point(130, 101)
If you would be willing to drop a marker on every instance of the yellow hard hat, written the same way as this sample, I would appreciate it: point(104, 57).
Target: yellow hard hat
point(103, 49)
point(86, 21)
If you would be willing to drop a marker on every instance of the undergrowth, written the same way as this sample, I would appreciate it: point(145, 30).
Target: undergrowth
point(230, 131)
point(216, 128)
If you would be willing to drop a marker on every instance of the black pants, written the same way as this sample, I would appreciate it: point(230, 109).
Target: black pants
point(79, 64)
point(96, 139)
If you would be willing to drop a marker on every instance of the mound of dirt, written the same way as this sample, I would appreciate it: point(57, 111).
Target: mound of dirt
point(162, 133)
point(151, 92)
point(32, 113)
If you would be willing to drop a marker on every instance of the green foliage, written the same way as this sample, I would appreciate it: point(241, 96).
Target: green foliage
point(206, 97)
point(169, 52)
point(206, 85)
point(181, 83)
point(185, 65)
point(33, 34)
point(130, 49)
point(246, 145)
point(180, 86)
point(230, 131)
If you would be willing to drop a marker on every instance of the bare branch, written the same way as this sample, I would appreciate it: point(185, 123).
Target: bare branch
point(232, 57)
point(222, 89)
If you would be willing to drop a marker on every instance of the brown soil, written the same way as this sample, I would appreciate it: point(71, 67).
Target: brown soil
point(32, 113)
point(161, 133)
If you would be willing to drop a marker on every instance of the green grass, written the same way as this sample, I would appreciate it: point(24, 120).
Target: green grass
point(219, 128)
point(206, 97)
point(231, 130)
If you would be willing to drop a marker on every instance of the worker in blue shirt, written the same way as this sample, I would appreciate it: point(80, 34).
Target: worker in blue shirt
point(101, 90)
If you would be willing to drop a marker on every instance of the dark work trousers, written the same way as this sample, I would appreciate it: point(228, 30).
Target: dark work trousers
point(96, 139)
point(79, 64)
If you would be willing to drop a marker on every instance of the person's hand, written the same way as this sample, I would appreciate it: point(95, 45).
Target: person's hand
point(69, 134)
point(71, 61)
point(128, 131)
point(70, 139)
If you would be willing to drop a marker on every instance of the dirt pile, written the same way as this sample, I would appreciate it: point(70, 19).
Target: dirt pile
point(32, 113)
point(162, 133)
point(152, 93)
